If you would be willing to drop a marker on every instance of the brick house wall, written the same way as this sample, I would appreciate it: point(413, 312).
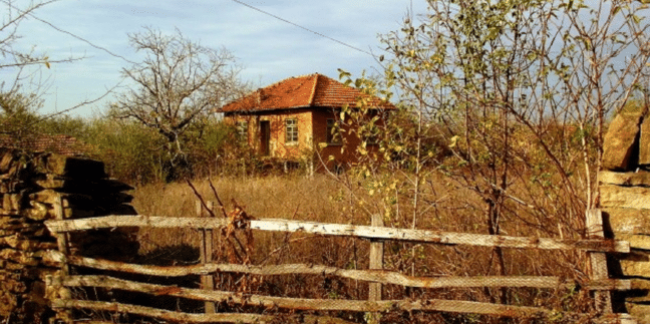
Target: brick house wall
point(312, 136)
point(278, 148)
point(320, 118)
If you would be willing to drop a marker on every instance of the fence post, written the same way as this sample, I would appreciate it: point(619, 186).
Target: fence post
point(598, 260)
point(62, 240)
point(207, 281)
point(376, 263)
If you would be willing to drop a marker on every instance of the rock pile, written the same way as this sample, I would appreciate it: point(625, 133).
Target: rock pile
point(625, 200)
point(30, 185)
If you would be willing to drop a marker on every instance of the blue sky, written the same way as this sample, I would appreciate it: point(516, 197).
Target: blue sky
point(267, 49)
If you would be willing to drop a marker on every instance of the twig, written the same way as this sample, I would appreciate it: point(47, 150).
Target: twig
point(198, 195)
point(216, 195)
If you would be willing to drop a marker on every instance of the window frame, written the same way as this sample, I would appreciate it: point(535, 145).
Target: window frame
point(291, 134)
point(330, 138)
point(372, 139)
point(242, 129)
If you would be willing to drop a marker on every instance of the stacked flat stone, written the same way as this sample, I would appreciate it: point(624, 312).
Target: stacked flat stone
point(625, 200)
point(30, 184)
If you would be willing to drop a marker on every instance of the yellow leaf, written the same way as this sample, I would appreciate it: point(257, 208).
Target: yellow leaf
point(454, 140)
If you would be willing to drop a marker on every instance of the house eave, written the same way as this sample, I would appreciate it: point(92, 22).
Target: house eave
point(272, 110)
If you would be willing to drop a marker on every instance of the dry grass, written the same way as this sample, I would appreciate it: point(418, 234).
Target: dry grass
point(289, 197)
point(324, 199)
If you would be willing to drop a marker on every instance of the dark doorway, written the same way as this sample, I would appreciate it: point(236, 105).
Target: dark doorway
point(265, 132)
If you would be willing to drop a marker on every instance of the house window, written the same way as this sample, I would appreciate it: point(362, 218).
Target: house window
point(333, 136)
point(242, 130)
point(291, 131)
point(371, 137)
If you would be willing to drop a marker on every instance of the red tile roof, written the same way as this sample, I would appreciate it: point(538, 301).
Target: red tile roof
point(313, 90)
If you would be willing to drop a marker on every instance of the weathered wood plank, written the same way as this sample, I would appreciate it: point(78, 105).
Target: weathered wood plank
point(376, 262)
point(452, 306)
point(303, 303)
point(594, 224)
point(368, 232)
point(379, 276)
point(207, 281)
point(622, 318)
point(63, 245)
point(184, 317)
point(376, 259)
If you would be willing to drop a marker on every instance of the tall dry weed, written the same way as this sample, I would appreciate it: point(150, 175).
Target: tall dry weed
point(323, 199)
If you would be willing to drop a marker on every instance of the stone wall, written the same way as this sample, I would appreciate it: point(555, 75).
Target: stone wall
point(625, 200)
point(30, 185)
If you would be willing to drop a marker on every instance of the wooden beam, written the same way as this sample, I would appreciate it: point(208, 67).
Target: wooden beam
point(379, 276)
point(453, 306)
point(62, 240)
point(256, 318)
point(307, 304)
point(207, 281)
point(376, 262)
point(184, 317)
point(599, 271)
point(367, 232)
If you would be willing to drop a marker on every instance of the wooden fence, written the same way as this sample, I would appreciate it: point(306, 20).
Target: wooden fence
point(594, 245)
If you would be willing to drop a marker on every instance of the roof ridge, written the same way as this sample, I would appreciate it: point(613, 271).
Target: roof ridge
point(304, 91)
point(278, 82)
point(289, 78)
point(313, 90)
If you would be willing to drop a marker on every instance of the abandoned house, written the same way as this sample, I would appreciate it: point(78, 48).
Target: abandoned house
point(293, 119)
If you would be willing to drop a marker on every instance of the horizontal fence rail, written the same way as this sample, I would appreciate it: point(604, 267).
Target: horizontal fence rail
point(379, 276)
point(361, 231)
point(185, 317)
point(431, 305)
point(304, 303)
point(454, 306)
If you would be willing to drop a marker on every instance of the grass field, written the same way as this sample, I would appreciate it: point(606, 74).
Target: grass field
point(327, 199)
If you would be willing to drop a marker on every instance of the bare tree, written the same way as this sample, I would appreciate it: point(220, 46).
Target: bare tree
point(20, 93)
point(520, 91)
point(9, 36)
point(177, 82)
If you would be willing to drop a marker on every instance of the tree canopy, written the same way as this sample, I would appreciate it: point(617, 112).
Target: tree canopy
point(177, 82)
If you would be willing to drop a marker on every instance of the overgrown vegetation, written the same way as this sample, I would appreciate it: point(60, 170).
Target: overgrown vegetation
point(518, 94)
point(502, 113)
